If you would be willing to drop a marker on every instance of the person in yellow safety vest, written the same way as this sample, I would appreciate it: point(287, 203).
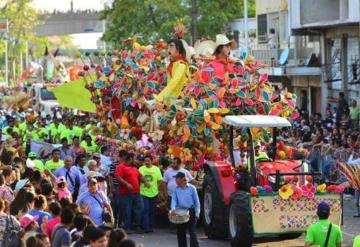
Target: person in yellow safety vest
point(259, 155)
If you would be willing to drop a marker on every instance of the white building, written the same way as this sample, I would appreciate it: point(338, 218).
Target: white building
point(323, 41)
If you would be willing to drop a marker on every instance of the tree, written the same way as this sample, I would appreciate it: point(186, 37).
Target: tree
point(22, 19)
point(154, 19)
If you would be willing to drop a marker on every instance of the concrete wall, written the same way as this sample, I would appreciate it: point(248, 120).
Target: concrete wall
point(266, 6)
point(354, 10)
point(320, 10)
point(323, 12)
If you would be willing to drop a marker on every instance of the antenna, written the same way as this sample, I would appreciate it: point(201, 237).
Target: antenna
point(284, 56)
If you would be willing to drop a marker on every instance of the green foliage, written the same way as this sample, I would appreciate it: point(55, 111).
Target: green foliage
point(23, 18)
point(154, 19)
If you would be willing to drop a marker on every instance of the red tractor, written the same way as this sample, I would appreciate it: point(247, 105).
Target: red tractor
point(228, 208)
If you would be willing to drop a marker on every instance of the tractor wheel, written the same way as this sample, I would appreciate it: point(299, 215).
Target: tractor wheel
point(214, 210)
point(240, 221)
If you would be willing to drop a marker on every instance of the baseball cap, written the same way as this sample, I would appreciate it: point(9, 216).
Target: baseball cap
point(180, 175)
point(27, 219)
point(323, 207)
point(32, 155)
point(92, 181)
point(60, 180)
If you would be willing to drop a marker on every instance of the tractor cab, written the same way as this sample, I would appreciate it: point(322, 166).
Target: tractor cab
point(261, 165)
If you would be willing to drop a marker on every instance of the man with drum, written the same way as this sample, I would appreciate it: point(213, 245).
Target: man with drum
point(185, 199)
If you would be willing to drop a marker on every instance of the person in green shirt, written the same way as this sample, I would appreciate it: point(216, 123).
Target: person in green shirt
point(317, 233)
point(354, 114)
point(41, 130)
point(68, 132)
point(38, 164)
point(11, 127)
point(55, 130)
point(30, 133)
point(55, 162)
point(89, 145)
point(149, 190)
point(356, 241)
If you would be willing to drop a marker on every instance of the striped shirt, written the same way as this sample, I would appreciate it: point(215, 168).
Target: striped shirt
point(113, 166)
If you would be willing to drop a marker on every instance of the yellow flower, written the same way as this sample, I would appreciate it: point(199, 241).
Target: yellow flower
point(321, 188)
point(286, 191)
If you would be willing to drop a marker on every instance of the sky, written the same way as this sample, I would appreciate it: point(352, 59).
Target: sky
point(83, 41)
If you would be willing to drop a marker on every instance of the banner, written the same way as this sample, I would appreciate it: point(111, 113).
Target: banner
point(271, 214)
point(43, 149)
point(74, 95)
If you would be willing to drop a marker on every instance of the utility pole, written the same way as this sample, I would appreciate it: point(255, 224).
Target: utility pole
point(246, 25)
point(194, 15)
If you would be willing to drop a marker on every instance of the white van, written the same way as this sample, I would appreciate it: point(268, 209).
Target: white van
point(43, 100)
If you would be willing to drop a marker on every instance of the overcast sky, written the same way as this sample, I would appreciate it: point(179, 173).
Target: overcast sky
point(86, 40)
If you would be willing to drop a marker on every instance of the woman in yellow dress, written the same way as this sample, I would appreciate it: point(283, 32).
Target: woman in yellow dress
point(177, 72)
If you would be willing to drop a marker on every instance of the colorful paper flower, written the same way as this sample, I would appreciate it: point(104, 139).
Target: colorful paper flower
point(254, 191)
point(268, 188)
point(157, 135)
point(286, 191)
point(321, 188)
point(260, 189)
point(339, 189)
point(308, 190)
point(297, 193)
point(331, 188)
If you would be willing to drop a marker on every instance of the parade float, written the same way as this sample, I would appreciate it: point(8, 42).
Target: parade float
point(201, 125)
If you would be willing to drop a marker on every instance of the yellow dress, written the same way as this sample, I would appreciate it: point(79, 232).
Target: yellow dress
point(176, 83)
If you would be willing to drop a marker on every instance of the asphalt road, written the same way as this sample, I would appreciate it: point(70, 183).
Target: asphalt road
point(165, 238)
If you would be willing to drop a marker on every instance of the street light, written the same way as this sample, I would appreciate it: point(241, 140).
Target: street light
point(246, 25)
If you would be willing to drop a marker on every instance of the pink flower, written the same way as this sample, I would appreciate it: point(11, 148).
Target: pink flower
point(297, 193)
point(308, 190)
point(339, 189)
point(268, 188)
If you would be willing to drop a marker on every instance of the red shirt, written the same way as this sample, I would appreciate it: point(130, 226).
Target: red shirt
point(131, 175)
point(51, 224)
point(220, 68)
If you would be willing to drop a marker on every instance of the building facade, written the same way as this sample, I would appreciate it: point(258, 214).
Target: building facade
point(336, 22)
point(311, 47)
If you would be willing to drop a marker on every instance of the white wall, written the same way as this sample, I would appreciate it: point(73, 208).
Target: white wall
point(354, 10)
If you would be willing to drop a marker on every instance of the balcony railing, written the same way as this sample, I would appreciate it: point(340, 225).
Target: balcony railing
point(270, 56)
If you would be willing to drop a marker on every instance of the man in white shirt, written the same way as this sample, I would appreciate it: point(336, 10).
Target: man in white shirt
point(170, 173)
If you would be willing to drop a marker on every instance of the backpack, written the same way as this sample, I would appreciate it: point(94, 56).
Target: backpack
point(11, 237)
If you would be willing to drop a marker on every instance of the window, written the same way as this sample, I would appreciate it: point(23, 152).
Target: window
point(46, 94)
point(262, 28)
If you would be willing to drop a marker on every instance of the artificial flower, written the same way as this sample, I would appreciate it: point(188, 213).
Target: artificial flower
point(308, 190)
point(157, 135)
point(254, 191)
point(339, 189)
point(321, 188)
point(268, 188)
point(331, 188)
point(297, 193)
point(260, 189)
point(286, 191)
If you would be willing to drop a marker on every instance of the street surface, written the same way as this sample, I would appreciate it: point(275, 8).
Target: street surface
point(164, 238)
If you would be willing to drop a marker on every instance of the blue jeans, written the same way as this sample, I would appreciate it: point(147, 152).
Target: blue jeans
point(131, 203)
point(149, 212)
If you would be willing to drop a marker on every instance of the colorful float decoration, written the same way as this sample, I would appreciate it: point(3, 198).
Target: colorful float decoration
point(189, 126)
